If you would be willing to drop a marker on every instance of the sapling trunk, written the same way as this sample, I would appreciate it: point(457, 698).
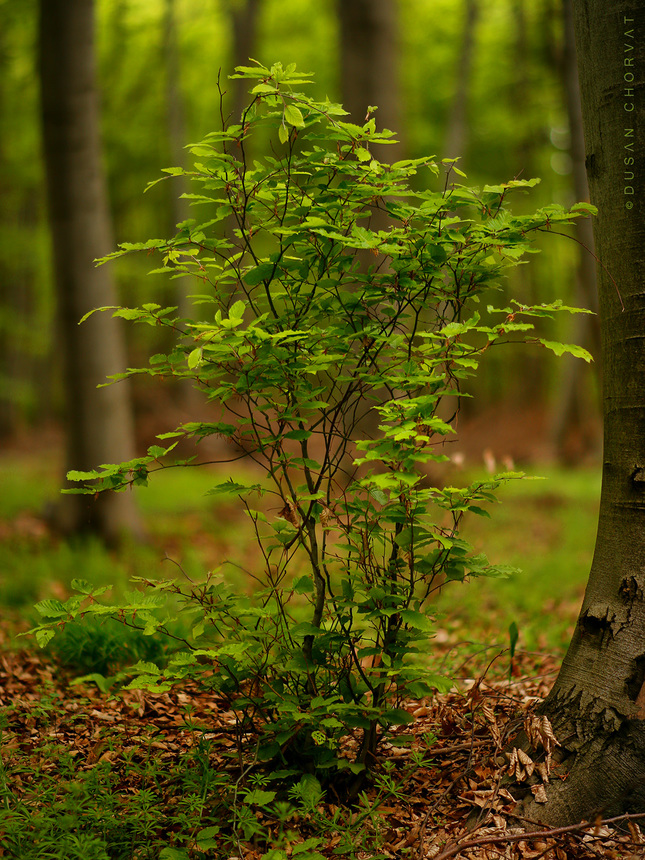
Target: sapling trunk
point(319, 586)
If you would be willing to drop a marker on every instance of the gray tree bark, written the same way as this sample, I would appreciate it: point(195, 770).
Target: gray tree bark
point(597, 705)
point(576, 412)
point(368, 64)
point(188, 397)
point(176, 122)
point(369, 78)
point(8, 293)
point(457, 129)
point(244, 22)
point(99, 427)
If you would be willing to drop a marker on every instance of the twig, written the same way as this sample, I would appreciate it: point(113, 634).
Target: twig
point(598, 261)
point(477, 742)
point(533, 834)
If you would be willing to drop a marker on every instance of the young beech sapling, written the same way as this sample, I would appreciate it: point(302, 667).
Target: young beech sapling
point(307, 320)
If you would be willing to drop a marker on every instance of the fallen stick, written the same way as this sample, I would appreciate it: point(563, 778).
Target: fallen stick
point(455, 849)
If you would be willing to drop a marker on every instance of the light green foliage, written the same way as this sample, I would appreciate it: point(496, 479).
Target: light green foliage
point(51, 808)
point(547, 528)
point(178, 810)
point(26, 306)
point(514, 103)
point(99, 646)
point(311, 320)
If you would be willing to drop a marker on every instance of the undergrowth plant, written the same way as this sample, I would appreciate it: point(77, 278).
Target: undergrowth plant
point(337, 310)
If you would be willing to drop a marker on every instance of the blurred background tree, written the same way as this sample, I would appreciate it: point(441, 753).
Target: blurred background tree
point(490, 83)
point(98, 421)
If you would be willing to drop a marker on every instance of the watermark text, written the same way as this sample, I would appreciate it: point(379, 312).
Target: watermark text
point(629, 76)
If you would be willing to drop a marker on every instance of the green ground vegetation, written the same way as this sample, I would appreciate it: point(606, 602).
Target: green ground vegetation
point(545, 528)
point(80, 786)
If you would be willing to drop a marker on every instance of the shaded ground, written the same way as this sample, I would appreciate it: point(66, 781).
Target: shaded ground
point(167, 768)
point(453, 805)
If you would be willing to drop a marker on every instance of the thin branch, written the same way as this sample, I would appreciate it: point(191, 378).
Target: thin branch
point(458, 847)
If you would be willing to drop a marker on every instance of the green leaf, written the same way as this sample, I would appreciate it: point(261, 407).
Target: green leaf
point(304, 628)
point(587, 208)
point(358, 721)
point(149, 682)
point(418, 620)
point(310, 788)
point(570, 348)
point(298, 435)
point(397, 717)
point(259, 797)
point(207, 833)
point(157, 451)
point(293, 116)
point(306, 849)
point(379, 496)
point(195, 358)
point(82, 476)
point(303, 585)
point(147, 668)
point(263, 89)
point(169, 853)
point(44, 636)
point(354, 767)
point(237, 310)
point(104, 684)
point(453, 329)
point(258, 274)
point(129, 313)
point(513, 635)
point(51, 608)
point(82, 585)
point(232, 487)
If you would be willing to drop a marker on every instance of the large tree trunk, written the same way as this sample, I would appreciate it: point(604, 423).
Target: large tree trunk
point(21, 370)
point(576, 414)
point(597, 705)
point(176, 123)
point(99, 421)
point(456, 139)
point(244, 23)
point(368, 64)
point(369, 78)
point(8, 292)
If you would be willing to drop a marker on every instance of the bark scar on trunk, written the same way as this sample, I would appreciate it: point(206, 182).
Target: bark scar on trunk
point(630, 589)
point(600, 620)
point(638, 477)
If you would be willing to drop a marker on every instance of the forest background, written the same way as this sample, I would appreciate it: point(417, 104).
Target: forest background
point(494, 84)
point(491, 82)
point(485, 82)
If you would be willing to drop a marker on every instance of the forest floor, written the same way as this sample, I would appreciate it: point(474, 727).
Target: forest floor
point(93, 772)
point(133, 744)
